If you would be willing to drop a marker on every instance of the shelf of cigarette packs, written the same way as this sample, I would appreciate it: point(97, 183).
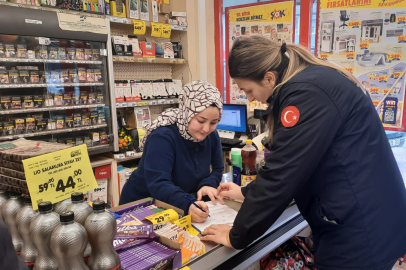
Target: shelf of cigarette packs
point(57, 92)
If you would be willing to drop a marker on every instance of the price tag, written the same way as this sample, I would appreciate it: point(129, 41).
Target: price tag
point(54, 176)
point(139, 27)
point(151, 60)
point(130, 154)
point(166, 31)
point(140, 60)
point(162, 101)
point(185, 223)
point(167, 215)
point(152, 103)
point(156, 29)
point(143, 103)
point(171, 101)
point(173, 61)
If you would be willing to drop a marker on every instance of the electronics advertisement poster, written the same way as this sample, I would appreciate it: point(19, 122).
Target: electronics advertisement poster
point(274, 20)
point(368, 38)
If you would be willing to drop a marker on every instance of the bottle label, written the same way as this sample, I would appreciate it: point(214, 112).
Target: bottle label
point(237, 175)
point(246, 179)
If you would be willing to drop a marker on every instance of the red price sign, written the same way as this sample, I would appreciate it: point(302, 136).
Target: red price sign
point(402, 39)
point(350, 55)
point(383, 78)
point(350, 69)
point(324, 56)
point(375, 90)
point(386, 90)
point(364, 45)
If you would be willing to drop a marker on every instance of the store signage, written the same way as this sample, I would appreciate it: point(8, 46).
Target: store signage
point(103, 172)
point(156, 29)
point(164, 216)
point(139, 27)
point(55, 176)
point(83, 23)
point(166, 31)
point(185, 223)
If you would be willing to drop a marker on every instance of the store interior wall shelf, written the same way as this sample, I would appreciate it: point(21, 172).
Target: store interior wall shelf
point(54, 131)
point(151, 60)
point(150, 102)
point(37, 85)
point(147, 23)
point(47, 109)
point(26, 60)
point(99, 149)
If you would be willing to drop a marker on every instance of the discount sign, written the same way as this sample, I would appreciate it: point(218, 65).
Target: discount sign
point(55, 176)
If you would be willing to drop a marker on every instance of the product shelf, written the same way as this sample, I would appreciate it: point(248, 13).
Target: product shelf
point(26, 60)
point(127, 158)
point(47, 109)
point(149, 60)
point(151, 102)
point(121, 20)
point(38, 85)
point(48, 132)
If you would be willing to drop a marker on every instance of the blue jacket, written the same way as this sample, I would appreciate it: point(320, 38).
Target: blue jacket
point(336, 162)
point(172, 167)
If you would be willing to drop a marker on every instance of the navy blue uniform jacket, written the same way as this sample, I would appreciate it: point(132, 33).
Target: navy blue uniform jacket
point(172, 167)
point(337, 164)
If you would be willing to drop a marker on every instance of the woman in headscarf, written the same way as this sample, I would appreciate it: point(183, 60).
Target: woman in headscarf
point(181, 153)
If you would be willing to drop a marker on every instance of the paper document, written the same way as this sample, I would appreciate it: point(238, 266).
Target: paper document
point(219, 214)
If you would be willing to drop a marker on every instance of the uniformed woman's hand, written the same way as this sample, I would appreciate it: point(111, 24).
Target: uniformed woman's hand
point(198, 215)
point(218, 234)
point(211, 192)
point(230, 191)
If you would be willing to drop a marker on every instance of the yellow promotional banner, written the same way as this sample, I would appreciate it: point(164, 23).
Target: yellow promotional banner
point(340, 4)
point(55, 176)
point(276, 13)
point(186, 224)
point(164, 216)
point(166, 30)
point(139, 27)
point(156, 29)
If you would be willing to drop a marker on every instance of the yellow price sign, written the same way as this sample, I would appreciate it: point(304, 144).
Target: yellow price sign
point(142, 103)
point(166, 31)
point(164, 216)
point(185, 268)
point(185, 223)
point(156, 29)
point(55, 176)
point(139, 27)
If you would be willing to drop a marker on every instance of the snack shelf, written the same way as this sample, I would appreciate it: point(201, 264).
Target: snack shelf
point(25, 60)
point(48, 132)
point(150, 60)
point(99, 148)
point(47, 109)
point(121, 20)
point(38, 85)
point(146, 103)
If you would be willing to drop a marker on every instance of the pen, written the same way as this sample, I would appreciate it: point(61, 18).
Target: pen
point(187, 198)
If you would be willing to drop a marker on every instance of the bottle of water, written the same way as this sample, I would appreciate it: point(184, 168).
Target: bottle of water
point(9, 212)
point(3, 198)
point(24, 218)
point(41, 229)
point(101, 228)
point(68, 242)
point(62, 206)
point(82, 210)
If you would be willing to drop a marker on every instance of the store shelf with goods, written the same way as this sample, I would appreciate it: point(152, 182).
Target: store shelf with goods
point(52, 109)
point(124, 158)
point(25, 60)
point(122, 20)
point(149, 60)
point(94, 150)
point(39, 85)
point(151, 102)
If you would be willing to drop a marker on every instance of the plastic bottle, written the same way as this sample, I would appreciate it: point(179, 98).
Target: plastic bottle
point(62, 206)
point(41, 229)
point(101, 228)
point(24, 218)
point(9, 212)
point(249, 156)
point(68, 242)
point(82, 210)
point(3, 198)
point(236, 162)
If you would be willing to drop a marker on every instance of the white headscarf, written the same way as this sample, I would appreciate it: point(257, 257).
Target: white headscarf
point(195, 98)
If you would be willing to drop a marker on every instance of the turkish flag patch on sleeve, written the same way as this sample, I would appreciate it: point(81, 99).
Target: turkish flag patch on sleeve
point(290, 116)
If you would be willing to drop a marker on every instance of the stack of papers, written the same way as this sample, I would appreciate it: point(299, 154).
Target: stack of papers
point(219, 214)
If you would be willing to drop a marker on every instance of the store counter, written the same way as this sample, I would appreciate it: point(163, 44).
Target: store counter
point(220, 257)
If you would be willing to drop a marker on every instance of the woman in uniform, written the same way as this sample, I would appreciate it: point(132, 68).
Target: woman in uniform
point(328, 151)
point(181, 153)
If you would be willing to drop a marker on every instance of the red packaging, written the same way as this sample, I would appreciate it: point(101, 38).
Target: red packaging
point(147, 48)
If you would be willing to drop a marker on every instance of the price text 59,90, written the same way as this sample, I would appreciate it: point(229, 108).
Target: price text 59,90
point(60, 185)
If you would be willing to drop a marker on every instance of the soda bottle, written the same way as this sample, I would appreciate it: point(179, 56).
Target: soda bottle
point(236, 162)
point(82, 210)
point(101, 228)
point(24, 218)
point(62, 206)
point(3, 198)
point(9, 212)
point(41, 229)
point(249, 171)
point(68, 242)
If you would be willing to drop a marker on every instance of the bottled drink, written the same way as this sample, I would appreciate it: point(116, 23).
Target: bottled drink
point(9, 212)
point(41, 229)
point(249, 156)
point(82, 210)
point(236, 162)
point(68, 242)
point(62, 206)
point(101, 228)
point(3, 198)
point(24, 219)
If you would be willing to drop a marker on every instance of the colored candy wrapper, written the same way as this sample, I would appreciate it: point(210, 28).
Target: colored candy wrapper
point(135, 232)
point(121, 244)
point(295, 262)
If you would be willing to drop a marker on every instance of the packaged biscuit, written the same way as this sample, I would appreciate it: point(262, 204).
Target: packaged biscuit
point(93, 117)
point(77, 120)
point(24, 76)
point(49, 100)
point(60, 122)
point(8, 128)
point(4, 77)
point(42, 52)
point(16, 103)
point(85, 120)
point(5, 102)
point(71, 53)
point(91, 99)
point(95, 138)
point(2, 51)
point(67, 99)
point(58, 100)
point(30, 125)
point(10, 51)
point(41, 124)
point(65, 76)
point(90, 76)
point(80, 54)
point(101, 118)
point(97, 75)
point(82, 75)
point(34, 76)
point(55, 77)
point(21, 51)
point(53, 53)
point(87, 140)
point(73, 76)
point(100, 98)
point(96, 55)
point(83, 98)
point(28, 102)
point(70, 142)
point(68, 121)
point(51, 124)
point(104, 138)
point(61, 53)
point(88, 54)
point(38, 101)
point(13, 76)
point(19, 125)
point(75, 99)
point(79, 141)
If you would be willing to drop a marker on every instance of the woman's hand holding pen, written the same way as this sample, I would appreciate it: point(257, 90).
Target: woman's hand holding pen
point(230, 191)
point(198, 215)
